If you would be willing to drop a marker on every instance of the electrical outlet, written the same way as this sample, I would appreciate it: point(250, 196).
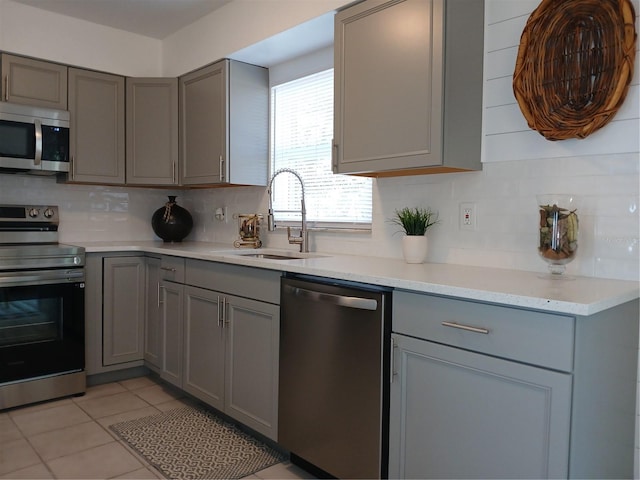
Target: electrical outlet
point(468, 220)
point(221, 214)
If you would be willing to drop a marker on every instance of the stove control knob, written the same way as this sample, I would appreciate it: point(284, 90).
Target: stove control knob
point(48, 213)
point(77, 260)
point(34, 212)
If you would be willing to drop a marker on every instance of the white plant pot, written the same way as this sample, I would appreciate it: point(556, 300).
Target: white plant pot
point(414, 248)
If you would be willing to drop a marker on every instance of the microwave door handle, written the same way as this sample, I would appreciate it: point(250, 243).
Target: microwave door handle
point(38, 159)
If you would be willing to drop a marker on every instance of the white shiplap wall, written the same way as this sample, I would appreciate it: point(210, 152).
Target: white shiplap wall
point(507, 136)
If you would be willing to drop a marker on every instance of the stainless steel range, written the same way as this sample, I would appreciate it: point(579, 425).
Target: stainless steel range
point(41, 308)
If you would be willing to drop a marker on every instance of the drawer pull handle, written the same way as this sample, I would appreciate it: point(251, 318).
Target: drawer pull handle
point(468, 328)
point(168, 269)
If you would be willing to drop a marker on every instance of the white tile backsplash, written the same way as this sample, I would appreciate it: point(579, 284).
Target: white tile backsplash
point(88, 213)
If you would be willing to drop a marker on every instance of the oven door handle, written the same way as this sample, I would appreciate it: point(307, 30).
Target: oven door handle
point(41, 277)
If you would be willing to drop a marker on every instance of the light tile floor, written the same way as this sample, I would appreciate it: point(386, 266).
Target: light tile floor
point(70, 438)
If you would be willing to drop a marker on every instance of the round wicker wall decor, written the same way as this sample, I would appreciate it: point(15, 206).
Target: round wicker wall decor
point(574, 65)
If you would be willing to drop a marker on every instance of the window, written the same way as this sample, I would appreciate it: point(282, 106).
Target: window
point(302, 130)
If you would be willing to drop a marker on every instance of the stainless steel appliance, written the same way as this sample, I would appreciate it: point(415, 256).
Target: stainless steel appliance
point(33, 139)
point(334, 377)
point(41, 308)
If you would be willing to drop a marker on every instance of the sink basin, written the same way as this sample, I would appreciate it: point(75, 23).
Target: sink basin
point(272, 256)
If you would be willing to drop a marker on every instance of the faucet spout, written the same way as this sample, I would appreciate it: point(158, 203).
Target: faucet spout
point(303, 239)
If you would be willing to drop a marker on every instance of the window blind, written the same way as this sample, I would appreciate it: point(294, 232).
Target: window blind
point(302, 131)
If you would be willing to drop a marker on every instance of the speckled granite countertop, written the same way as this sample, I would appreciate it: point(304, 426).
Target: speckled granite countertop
point(579, 296)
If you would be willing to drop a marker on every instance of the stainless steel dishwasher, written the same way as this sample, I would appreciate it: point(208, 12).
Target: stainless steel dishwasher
point(334, 376)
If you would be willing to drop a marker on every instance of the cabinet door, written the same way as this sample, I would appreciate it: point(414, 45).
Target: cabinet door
point(96, 103)
point(123, 309)
point(457, 414)
point(152, 131)
point(153, 316)
point(388, 86)
point(34, 82)
point(172, 334)
point(204, 346)
point(204, 116)
point(252, 364)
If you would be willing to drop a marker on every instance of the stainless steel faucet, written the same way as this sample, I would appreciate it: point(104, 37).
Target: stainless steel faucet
point(303, 238)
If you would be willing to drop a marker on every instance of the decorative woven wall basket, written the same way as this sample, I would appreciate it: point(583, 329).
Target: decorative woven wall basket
point(574, 65)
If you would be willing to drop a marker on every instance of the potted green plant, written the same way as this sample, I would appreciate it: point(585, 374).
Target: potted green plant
point(415, 222)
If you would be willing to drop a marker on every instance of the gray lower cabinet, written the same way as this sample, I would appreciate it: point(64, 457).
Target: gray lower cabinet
point(490, 391)
point(464, 415)
point(97, 139)
point(153, 316)
point(171, 272)
point(224, 114)
point(114, 311)
point(123, 309)
point(408, 100)
point(229, 354)
point(172, 332)
point(34, 82)
point(204, 355)
point(220, 337)
point(251, 363)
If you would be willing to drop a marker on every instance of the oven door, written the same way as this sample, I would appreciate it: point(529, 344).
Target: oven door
point(41, 323)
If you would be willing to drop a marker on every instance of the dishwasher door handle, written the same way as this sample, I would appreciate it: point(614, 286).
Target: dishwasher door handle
point(340, 300)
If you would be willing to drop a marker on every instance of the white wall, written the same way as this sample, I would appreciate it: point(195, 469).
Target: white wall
point(34, 32)
point(235, 26)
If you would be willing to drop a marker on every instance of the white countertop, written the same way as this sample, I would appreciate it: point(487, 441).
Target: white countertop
point(577, 296)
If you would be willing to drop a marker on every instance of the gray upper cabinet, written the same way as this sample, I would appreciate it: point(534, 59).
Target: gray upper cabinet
point(34, 82)
point(224, 125)
point(408, 87)
point(97, 106)
point(152, 131)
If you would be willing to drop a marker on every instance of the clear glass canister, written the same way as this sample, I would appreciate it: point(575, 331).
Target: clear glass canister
point(558, 230)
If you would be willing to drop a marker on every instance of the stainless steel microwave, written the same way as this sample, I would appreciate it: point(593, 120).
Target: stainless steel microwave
point(33, 139)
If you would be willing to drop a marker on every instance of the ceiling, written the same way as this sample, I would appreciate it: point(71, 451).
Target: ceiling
point(160, 18)
point(151, 18)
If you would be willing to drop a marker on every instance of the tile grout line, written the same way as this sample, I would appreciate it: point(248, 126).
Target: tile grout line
point(26, 439)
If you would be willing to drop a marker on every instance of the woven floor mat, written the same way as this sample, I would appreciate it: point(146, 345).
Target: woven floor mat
point(189, 443)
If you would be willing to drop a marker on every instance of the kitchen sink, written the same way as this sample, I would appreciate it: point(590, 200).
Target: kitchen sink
point(271, 256)
point(280, 256)
point(275, 255)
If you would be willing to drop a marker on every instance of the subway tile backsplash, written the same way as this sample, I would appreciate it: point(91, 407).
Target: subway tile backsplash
point(504, 194)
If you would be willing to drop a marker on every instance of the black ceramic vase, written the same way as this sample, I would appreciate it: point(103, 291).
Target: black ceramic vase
point(172, 222)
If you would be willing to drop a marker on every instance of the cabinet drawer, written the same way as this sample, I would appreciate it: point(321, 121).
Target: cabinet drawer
point(536, 338)
point(254, 283)
point(172, 269)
